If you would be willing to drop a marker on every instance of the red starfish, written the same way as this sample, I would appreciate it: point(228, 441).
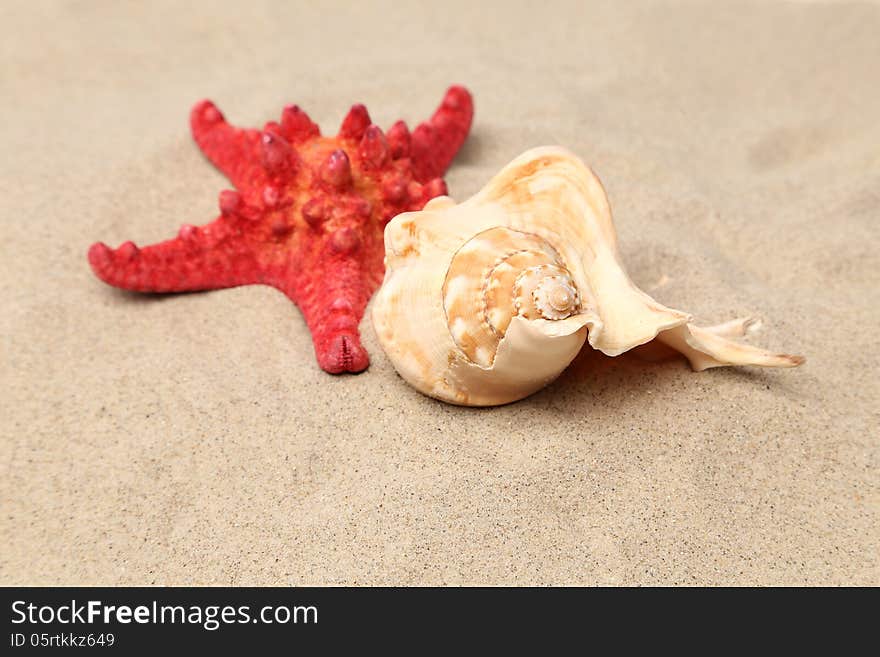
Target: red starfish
point(309, 216)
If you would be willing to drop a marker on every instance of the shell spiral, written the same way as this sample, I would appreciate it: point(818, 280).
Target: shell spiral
point(497, 275)
point(487, 301)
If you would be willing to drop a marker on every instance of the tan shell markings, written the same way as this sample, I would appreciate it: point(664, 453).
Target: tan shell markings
point(481, 293)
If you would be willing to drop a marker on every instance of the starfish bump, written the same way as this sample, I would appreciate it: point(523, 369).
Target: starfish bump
point(307, 216)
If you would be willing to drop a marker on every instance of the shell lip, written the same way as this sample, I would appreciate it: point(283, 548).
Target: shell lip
point(680, 319)
point(561, 328)
point(548, 328)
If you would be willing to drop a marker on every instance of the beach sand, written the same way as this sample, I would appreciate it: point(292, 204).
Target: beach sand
point(191, 439)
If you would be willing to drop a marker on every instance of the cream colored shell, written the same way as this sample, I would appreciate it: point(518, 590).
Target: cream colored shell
point(487, 301)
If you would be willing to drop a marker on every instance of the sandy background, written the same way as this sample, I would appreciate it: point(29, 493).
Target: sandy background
point(192, 439)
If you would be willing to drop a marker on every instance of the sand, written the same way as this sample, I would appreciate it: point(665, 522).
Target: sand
point(192, 439)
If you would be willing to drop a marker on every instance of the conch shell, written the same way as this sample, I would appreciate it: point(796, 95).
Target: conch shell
point(487, 301)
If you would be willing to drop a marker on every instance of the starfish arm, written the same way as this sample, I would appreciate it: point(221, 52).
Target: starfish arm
point(206, 258)
point(235, 151)
point(332, 306)
point(435, 142)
